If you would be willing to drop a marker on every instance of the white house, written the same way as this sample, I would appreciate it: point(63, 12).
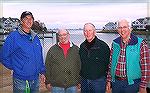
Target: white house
point(141, 23)
point(9, 24)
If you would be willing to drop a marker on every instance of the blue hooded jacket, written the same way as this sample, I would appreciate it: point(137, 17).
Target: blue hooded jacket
point(22, 53)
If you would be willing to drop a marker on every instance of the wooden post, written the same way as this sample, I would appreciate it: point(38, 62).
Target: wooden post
point(57, 40)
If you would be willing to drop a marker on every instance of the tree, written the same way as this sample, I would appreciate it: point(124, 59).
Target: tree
point(39, 27)
point(147, 27)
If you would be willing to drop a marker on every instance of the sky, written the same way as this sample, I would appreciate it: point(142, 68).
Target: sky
point(75, 15)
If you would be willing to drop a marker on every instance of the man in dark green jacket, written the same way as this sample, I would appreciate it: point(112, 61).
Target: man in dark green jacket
point(63, 65)
point(94, 54)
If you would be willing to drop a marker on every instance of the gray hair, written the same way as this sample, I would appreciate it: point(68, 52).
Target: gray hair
point(128, 20)
point(62, 29)
point(89, 24)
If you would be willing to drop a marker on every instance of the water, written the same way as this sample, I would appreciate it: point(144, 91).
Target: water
point(77, 38)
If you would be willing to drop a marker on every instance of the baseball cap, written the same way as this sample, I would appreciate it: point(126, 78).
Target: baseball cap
point(25, 13)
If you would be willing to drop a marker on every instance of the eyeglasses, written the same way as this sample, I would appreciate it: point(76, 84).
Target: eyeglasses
point(61, 35)
point(124, 27)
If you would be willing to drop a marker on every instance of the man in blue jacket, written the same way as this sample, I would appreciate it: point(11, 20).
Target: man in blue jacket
point(22, 53)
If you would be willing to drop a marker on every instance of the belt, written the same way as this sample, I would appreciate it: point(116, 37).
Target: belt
point(120, 78)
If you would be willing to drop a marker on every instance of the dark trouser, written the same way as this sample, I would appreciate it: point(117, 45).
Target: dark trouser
point(121, 86)
point(148, 90)
point(93, 86)
point(72, 89)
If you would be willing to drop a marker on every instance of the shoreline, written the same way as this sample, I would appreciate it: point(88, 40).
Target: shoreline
point(137, 32)
point(134, 32)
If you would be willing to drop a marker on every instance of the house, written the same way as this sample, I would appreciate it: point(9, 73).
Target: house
point(110, 26)
point(6, 26)
point(141, 23)
point(9, 24)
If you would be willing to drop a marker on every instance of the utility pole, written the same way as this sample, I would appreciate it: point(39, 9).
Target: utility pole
point(148, 21)
point(148, 8)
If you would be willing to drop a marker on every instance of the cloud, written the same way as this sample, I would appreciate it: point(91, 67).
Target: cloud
point(73, 13)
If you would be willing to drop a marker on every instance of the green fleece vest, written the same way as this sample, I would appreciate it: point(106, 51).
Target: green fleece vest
point(132, 61)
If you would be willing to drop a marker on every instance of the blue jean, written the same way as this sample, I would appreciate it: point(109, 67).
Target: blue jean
point(64, 90)
point(19, 86)
point(93, 86)
point(121, 86)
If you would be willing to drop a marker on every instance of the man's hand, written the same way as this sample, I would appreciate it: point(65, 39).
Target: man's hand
point(42, 78)
point(78, 86)
point(108, 87)
point(49, 87)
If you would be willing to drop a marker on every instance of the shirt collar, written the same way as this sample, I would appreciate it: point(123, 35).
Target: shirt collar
point(71, 44)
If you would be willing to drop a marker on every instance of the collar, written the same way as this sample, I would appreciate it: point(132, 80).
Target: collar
point(90, 44)
point(71, 44)
point(133, 40)
point(20, 30)
point(126, 42)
